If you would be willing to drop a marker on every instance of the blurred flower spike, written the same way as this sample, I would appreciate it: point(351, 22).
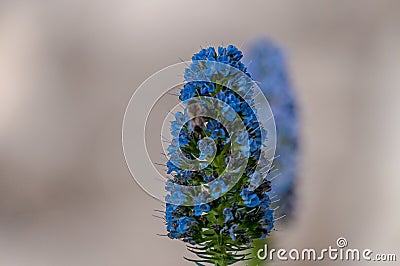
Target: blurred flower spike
point(267, 63)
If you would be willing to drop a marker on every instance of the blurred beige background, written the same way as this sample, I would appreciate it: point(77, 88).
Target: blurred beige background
point(68, 69)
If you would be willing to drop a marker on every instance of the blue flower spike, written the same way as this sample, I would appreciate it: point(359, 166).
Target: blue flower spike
point(220, 221)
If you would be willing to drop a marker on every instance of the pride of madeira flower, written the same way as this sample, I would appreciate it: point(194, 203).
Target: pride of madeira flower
point(218, 194)
point(267, 64)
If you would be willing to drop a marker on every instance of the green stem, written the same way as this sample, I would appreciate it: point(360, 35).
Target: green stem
point(221, 243)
